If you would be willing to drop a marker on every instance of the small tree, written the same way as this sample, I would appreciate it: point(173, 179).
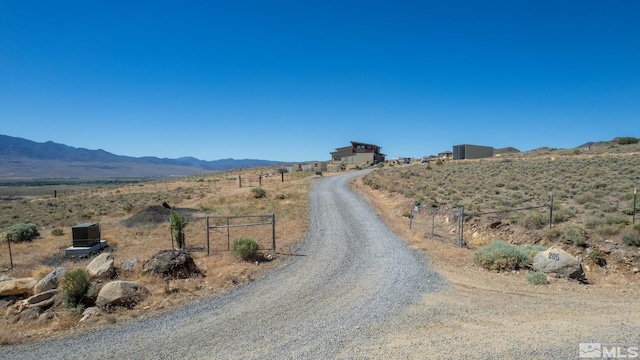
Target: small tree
point(178, 223)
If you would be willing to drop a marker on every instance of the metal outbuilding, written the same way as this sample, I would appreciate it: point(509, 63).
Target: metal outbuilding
point(466, 151)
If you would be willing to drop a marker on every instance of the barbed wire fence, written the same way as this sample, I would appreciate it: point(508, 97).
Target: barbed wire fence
point(448, 224)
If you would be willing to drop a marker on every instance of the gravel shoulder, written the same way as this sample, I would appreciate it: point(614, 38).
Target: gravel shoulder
point(350, 277)
point(489, 315)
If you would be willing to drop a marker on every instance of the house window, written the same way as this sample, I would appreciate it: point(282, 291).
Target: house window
point(337, 158)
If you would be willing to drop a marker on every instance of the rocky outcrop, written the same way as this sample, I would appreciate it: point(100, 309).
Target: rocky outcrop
point(50, 281)
point(121, 293)
point(20, 287)
point(172, 263)
point(556, 260)
point(102, 267)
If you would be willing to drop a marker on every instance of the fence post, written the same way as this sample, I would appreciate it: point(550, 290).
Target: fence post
point(260, 180)
point(171, 231)
point(410, 217)
point(228, 235)
point(239, 180)
point(461, 227)
point(273, 231)
point(550, 211)
point(9, 238)
point(433, 221)
point(208, 248)
point(635, 192)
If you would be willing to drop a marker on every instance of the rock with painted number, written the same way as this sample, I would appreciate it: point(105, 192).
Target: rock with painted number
point(556, 260)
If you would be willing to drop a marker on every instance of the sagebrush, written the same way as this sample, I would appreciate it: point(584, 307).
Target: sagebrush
point(245, 248)
point(503, 256)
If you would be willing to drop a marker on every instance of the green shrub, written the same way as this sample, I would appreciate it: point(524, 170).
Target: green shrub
point(574, 235)
point(608, 230)
point(503, 256)
point(537, 278)
point(553, 234)
point(631, 238)
point(561, 214)
point(127, 207)
point(22, 232)
point(77, 289)
point(535, 220)
point(617, 220)
point(586, 198)
point(245, 248)
point(627, 140)
point(259, 192)
point(594, 221)
point(57, 232)
point(178, 223)
point(597, 257)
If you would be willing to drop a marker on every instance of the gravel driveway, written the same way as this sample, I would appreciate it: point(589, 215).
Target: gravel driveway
point(350, 277)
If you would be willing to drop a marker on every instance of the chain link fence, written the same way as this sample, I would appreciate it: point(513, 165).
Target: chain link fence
point(217, 233)
point(222, 231)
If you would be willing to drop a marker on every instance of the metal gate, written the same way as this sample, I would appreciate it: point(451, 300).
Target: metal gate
point(222, 231)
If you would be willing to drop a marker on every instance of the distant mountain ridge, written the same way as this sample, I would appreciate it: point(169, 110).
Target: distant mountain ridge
point(25, 159)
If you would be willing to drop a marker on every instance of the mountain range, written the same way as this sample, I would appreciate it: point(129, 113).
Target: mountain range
point(25, 159)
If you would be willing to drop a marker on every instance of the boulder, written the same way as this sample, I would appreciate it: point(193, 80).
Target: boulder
point(43, 300)
point(102, 267)
point(44, 317)
point(29, 314)
point(50, 281)
point(129, 265)
point(121, 293)
point(172, 263)
point(556, 260)
point(46, 295)
point(90, 312)
point(7, 301)
point(21, 287)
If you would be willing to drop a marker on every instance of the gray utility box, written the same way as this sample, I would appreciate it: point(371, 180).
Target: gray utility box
point(86, 234)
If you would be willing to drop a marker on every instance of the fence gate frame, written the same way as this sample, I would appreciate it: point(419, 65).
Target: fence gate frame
point(228, 226)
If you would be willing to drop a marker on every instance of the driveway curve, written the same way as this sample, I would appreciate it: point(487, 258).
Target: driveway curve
point(350, 275)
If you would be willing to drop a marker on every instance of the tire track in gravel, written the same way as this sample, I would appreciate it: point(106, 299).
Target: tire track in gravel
point(351, 274)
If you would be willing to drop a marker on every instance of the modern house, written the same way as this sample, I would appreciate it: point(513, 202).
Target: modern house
point(467, 151)
point(358, 153)
point(445, 155)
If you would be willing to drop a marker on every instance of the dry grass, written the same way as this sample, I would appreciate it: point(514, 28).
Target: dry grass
point(114, 207)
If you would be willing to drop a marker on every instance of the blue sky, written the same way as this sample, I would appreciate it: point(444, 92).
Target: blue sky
point(293, 80)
